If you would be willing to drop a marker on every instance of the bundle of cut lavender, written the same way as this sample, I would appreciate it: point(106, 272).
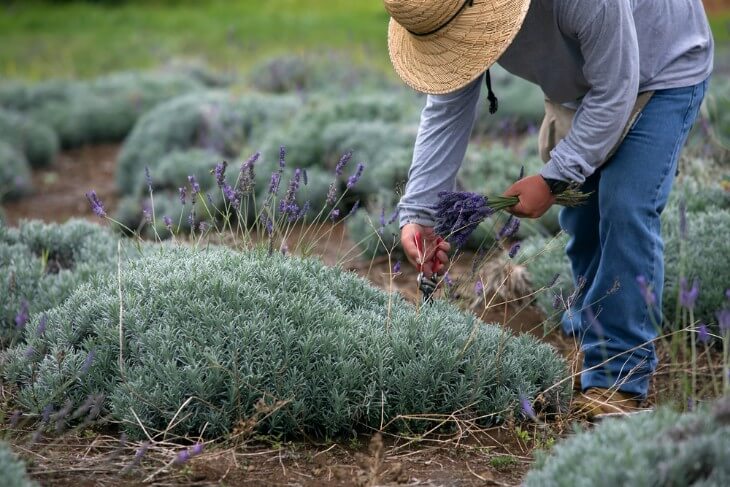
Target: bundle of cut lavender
point(458, 213)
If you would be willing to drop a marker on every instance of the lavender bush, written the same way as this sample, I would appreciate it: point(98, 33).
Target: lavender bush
point(657, 448)
point(100, 110)
point(217, 122)
point(12, 469)
point(228, 329)
point(14, 172)
point(36, 141)
point(42, 264)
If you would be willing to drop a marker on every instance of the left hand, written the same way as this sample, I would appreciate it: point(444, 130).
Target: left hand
point(535, 197)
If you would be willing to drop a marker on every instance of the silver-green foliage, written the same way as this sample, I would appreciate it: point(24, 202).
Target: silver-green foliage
point(15, 178)
point(36, 141)
point(225, 330)
point(659, 448)
point(42, 264)
point(217, 122)
point(705, 258)
point(100, 110)
point(12, 469)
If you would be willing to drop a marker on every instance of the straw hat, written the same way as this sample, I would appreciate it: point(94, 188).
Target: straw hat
point(439, 46)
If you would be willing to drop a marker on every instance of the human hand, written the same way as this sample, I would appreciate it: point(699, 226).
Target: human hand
point(535, 197)
point(424, 249)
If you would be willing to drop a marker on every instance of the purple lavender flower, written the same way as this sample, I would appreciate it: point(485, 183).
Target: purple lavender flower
point(275, 182)
point(23, 315)
point(527, 408)
point(282, 157)
point(42, 325)
point(354, 208)
point(396, 267)
point(182, 457)
point(197, 449)
point(331, 194)
point(458, 215)
point(352, 180)
point(183, 195)
point(88, 362)
point(247, 180)
point(230, 194)
point(688, 296)
point(335, 214)
point(288, 205)
point(141, 451)
point(557, 301)
point(204, 226)
point(191, 219)
point(479, 287)
point(683, 232)
point(723, 320)
point(29, 352)
point(168, 222)
point(96, 205)
point(220, 173)
point(195, 187)
point(344, 160)
point(510, 228)
point(147, 213)
point(148, 178)
point(305, 209)
point(269, 226)
point(646, 292)
point(209, 198)
point(394, 216)
point(514, 249)
point(382, 217)
point(703, 334)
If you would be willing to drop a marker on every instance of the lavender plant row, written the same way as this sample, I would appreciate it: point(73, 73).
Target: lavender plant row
point(226, 330)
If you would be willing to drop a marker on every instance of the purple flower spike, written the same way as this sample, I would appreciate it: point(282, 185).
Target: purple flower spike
point(344, 160)
point(703, 334)
point(354, 208)
point(197, 449)
point(96, 205)
point(168, 222)
point(274, 183)
point(479, 288)
point(41, 330)
point(88, 362)
point(182, 457)
point(382, 218)
point(723, 320)
point(459, 214)
point(141, 451)
point(331, 194)
point(447, 279)
point(21, 319)
point(514, 249)
point(352, 180)
point(646, 291)
point(30, 352)
point(396, 267)
point(394, 216)
point(247, 181)
point(195, 187)
point(183, 195)
point(510, 228)
point(688, 297)
point(334, 214)
point(204, 227)
point(527, 408)
point(282, 157)
point(220, 173)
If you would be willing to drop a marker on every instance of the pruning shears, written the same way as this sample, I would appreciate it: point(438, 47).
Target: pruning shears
point(428, 285)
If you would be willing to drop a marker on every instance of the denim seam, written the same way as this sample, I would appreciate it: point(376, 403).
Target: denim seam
point(674, 155)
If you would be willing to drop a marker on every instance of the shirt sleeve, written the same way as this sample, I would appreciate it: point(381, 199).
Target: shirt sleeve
point(608, 42)
point(443, 136)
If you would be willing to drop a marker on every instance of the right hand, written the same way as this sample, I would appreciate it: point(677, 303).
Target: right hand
point(431, 246)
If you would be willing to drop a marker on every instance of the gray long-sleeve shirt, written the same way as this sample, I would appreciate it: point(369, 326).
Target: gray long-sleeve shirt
point(593, 55)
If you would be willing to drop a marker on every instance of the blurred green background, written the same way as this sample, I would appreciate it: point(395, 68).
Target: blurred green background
point(41, 39)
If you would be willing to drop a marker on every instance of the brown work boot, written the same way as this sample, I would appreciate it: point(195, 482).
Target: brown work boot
point(596, 403)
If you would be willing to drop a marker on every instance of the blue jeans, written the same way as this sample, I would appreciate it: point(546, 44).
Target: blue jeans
point(616, 237)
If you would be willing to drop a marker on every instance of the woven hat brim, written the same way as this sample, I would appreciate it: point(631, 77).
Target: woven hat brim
point(454, 56)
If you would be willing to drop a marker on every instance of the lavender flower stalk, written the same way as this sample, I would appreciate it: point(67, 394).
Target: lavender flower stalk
point(352, 180)
point(96, 205)
point(458, 215)
point(344, 160)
